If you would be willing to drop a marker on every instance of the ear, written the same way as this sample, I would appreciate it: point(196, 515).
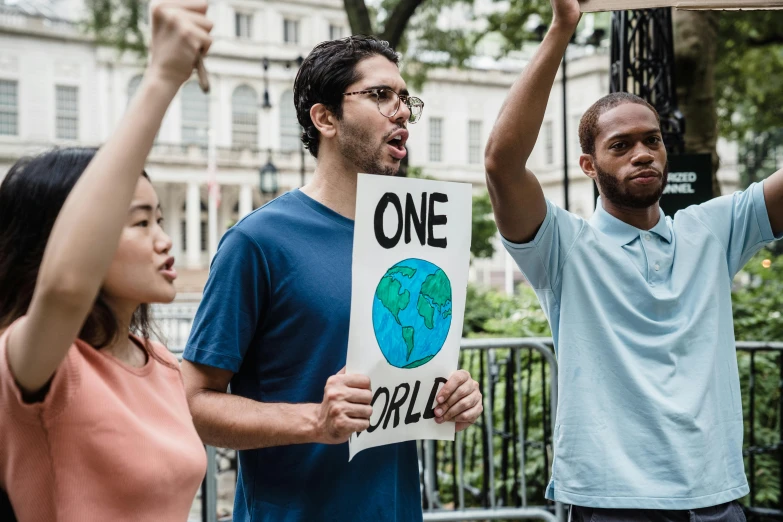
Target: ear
point(324, 120)
point(587, 162)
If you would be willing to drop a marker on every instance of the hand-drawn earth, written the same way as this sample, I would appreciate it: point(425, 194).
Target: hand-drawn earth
point(411, 312)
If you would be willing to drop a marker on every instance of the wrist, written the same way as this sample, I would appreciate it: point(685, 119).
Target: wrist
point(311, 424)
point(154, 82)
point(563, 28)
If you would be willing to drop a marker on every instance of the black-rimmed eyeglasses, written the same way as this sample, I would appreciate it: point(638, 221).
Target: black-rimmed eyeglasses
point(389, 102)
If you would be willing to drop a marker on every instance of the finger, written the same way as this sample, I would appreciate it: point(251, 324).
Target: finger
point(357, 396)
point(357, 425)
point(355, 380)
point(470, 416)
point(460, 393)
point(465, 404)
point(358, 411)
point(455, 381)
point(198, 6)
point(341, 371)
point(198, 20)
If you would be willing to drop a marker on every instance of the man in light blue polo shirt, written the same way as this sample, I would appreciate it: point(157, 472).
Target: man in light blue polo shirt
point(649, 421)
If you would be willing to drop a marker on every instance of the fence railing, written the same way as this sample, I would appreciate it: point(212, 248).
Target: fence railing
point(498, 468)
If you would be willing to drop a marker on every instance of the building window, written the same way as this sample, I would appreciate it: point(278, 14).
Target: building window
point(243, 23)
point(9, 108)
point(436, 139)
point(195, 115)
point(290, 131)
point(336, 32)
point(244, 117)
point(67, 109)
point(474, 142)
point(549, 143)
point(291, 31)
point(133, 86)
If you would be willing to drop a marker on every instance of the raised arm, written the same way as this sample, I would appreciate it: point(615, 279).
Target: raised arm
point(85, 236)
point(516, 195)
point(773, 195)
point(230, 421)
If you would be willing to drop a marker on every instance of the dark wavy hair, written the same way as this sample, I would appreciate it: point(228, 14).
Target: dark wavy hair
point(588, 125)
point(326, 72)
point(31, 196)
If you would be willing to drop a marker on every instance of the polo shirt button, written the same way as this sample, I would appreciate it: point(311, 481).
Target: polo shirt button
point(657, 267)
point(647, 237)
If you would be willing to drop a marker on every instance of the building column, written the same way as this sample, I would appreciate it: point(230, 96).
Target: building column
point(193, 228)
point(245, 200)
point(173, 220)
point(212, 222)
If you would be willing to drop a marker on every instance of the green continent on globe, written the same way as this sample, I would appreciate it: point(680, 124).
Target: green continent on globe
point(437, 287)
point(447, 313)
point(392, 296)
point(402, 270)
point(426, 311)
point(407, 335)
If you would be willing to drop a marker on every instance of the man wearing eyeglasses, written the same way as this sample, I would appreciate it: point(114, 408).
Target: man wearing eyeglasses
point(273, 322)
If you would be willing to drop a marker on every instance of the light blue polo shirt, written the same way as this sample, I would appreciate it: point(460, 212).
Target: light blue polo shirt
point(649, 413)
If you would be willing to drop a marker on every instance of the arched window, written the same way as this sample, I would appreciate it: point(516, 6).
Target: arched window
point(244, 117)
point(133, 86)
point(290, 131)
point(195, 115)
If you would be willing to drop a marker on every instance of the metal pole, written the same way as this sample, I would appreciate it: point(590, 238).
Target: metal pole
point(209, 488)
point(565, 135)
point(521, 420)
point(302, 166)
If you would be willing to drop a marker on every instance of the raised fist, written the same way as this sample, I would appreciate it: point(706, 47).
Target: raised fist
point(180, 36)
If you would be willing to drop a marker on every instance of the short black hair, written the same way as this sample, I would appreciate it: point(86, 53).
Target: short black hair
point(588, 125)
point(325, 74)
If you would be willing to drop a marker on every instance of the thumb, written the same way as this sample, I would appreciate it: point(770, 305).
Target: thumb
point(341, 371)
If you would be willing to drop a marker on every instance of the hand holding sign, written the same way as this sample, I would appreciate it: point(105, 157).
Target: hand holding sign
point(459, 400)
point(345, 408)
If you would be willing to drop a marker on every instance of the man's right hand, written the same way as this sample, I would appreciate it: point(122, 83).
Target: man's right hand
point(180, 36)
point(345, 408)
point(566, 13)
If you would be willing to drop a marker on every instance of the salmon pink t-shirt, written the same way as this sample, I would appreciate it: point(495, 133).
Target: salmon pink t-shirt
point(109, 441)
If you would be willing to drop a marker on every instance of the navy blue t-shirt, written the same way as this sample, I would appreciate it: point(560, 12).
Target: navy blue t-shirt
point(275, 312)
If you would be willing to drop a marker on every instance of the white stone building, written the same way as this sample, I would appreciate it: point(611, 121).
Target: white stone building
point(58, 88)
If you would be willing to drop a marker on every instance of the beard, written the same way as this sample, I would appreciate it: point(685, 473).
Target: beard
point(614, 191)
point(368, 158)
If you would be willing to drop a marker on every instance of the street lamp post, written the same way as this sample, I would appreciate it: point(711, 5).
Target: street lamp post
point(268, 183)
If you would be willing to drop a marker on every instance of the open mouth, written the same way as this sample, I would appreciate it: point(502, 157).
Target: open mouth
point(168, 269)
point(397, 146)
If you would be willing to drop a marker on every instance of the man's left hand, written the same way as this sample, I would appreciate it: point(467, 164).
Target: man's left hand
point(459, 401)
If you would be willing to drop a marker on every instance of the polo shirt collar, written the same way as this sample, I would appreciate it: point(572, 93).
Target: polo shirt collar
point(622, 232)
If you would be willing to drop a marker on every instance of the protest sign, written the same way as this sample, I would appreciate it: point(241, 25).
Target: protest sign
point(411, 253)
point(589, 6)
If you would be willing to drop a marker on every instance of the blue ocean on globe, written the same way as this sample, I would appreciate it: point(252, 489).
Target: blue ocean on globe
point(411, 312)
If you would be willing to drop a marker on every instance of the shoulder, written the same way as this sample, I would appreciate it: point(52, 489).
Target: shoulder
point(162, 354)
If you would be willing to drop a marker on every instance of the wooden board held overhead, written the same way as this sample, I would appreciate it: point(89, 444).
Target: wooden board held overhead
point(589, 6)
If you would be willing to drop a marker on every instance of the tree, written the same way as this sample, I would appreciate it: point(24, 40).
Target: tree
point(729, 68)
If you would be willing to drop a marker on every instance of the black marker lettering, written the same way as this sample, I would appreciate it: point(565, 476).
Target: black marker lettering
point(394, 407)
point(435, 219)
point(380, 235)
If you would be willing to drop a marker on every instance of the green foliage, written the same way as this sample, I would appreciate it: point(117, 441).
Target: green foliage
point(758, 303)
point(749, 72)
point(483, 227)
point(118, 23)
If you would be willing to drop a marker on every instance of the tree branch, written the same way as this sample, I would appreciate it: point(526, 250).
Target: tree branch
point(358, 17)
point(772, 39)
point(398, 21)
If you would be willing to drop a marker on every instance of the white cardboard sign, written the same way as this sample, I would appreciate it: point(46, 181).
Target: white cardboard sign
point(588, 6)
point(411, 253)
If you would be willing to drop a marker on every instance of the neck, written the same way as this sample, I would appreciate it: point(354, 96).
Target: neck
point(641, 218)
point(334, 185)
point(122, 347)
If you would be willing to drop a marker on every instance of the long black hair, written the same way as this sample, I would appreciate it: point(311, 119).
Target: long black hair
point(31, 196)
